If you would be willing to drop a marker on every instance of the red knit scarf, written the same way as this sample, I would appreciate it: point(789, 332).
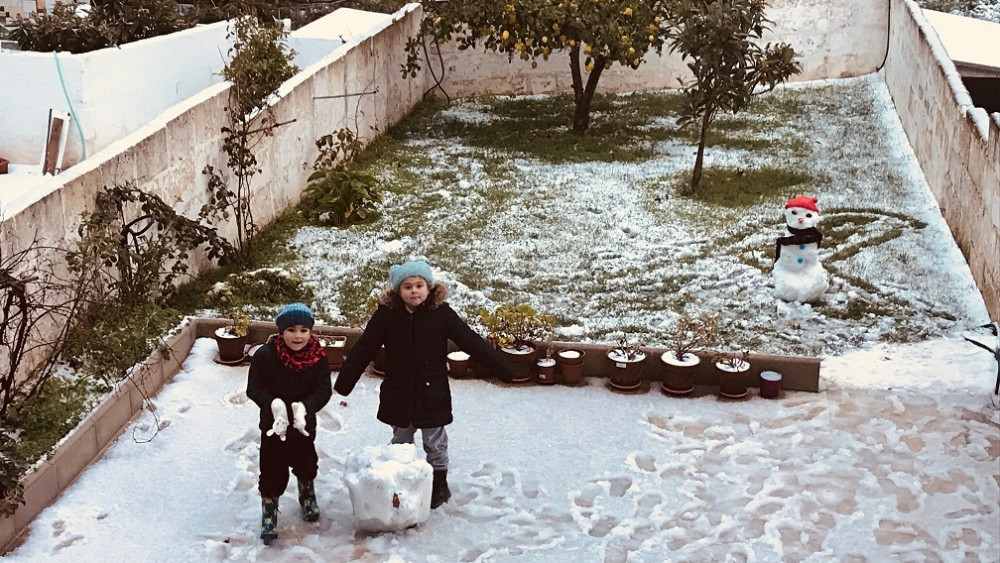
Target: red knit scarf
point(299, 360)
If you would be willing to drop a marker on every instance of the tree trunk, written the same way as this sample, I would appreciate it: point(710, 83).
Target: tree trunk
point(583, 95)
point(700, 159)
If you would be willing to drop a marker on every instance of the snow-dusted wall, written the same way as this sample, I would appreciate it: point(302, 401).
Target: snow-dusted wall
point(957, 144)
point(834, 39)
point(111, 92)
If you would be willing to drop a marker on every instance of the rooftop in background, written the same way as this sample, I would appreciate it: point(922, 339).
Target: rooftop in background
point(973, 44)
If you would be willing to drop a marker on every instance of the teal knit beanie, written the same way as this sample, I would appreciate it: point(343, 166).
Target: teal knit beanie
point(418, 268)
point(294, 314)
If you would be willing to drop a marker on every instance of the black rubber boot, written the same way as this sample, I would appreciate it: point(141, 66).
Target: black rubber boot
point(307, 501)
point(439, 491)
point(268, 519)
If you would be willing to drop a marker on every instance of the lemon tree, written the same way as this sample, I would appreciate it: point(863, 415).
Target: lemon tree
point(595, 34)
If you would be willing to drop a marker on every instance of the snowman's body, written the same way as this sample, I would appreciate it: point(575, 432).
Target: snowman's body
point(798, 274)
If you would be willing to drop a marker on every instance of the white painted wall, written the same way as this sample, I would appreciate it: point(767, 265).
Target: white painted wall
point(112, 92)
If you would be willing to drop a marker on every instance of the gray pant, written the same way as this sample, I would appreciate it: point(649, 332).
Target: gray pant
point(435, 443)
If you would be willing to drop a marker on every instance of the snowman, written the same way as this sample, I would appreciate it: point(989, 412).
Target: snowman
point(798, 275)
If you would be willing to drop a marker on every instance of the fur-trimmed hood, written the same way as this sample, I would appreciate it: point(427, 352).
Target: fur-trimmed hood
point(437, 295)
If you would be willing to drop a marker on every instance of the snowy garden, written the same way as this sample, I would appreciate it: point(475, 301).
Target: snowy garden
point(895, 458)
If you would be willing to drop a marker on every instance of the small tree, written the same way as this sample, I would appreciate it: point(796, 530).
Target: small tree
point(718, 39)
point(595, 33)
point(260, 61)
point(142, 244)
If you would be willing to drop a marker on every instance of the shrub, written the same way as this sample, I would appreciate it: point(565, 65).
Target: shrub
point(62, 30)
point(107, 23)
point(144, 241)
point(337, 196)
point(515, 326)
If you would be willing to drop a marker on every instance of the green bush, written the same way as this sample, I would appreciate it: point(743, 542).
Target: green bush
point(62, 30)
point(108, 23)
point(113, 338)
point(335, 195)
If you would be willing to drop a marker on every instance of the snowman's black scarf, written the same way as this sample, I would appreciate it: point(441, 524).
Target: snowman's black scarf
point(808, 235)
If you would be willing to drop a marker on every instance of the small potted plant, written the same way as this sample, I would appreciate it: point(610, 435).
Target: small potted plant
point(458, 363)
point(513, 329)
point(680, 363)
point(334, 346)
point(627, 360)
point(733, 369)
point(232, 339)
point(547, 365)
point(570, 361)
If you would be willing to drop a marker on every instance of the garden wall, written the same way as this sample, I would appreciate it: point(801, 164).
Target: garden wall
point(166, 156)
point(113, 92)
point(833, 38)
point(957, 144)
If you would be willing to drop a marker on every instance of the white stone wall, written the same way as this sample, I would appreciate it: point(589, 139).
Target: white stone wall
point(834, 38)
point(957, 144)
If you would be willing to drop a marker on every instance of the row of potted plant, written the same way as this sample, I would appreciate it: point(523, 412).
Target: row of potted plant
point(514, 331)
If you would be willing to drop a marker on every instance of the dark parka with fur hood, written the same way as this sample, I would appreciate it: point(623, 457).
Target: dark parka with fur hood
point(415, 389)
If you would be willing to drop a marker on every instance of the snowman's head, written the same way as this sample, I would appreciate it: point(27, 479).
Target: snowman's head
point(801, 212)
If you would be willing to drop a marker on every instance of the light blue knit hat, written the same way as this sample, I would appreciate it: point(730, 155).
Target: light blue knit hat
point(400, 272)
point(294, 314)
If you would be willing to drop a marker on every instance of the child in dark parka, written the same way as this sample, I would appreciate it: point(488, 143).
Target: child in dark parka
point(290, 381)
point(414, 323)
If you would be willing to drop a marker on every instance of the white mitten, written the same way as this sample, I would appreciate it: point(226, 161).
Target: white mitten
point(299, 418)
point(280, 419)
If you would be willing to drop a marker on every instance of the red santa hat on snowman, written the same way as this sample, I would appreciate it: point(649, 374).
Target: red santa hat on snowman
point(803, 202)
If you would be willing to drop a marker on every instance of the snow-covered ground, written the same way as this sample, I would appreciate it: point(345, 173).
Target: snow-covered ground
point(896, 459)
point(607, 248)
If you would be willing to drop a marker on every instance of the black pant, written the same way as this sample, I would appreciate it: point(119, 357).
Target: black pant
point(297, 452)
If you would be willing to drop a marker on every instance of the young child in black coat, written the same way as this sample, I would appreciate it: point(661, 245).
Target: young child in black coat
point(414, 323)
point(290, 382)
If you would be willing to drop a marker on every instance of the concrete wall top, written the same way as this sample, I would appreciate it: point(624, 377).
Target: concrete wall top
point(967, 40)
point(345, 24)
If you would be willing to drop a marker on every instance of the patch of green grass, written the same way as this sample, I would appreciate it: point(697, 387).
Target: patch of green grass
point(541, 127)
point(746, 187)
point(44, 419)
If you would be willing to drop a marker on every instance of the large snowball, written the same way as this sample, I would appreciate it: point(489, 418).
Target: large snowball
point(390, 487)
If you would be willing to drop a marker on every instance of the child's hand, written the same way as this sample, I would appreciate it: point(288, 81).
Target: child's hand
point(280, 419)
point(299, 418)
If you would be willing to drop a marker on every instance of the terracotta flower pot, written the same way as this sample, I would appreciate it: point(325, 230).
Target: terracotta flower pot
point(733, 381)
point(458, 363)
point(4, 165)
point(570, 363)
point(626, 374)
point(678, 375)
point(546, 371)
point(521, 360)
point(232, 348)
point(334, 347)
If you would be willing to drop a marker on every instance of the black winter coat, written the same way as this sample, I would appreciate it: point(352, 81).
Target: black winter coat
point(415, 389)
point(270, 379)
